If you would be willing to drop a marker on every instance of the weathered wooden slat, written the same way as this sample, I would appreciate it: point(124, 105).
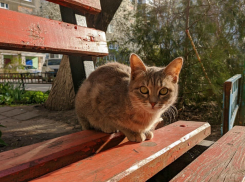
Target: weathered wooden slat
point(135, 161)
point(32, 161)
point(24, 32)
point(91, 6)
point(232, 101)
point(223, 161)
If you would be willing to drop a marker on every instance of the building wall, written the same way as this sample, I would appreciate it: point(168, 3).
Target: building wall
point(38, 58)
point(115, 32)
point(23, 6)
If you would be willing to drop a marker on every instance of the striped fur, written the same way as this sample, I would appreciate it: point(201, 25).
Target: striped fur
point(110, 99)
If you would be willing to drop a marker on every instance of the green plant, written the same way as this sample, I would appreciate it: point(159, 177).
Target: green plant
point(15, 94)
point(10, 93)
point(159, 33)
point(1, 140)
point(38, 97)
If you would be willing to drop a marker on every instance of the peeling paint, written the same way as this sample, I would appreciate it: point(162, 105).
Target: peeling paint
point(43, 35)
point(35, 33)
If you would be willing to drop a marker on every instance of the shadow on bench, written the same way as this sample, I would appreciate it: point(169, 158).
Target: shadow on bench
point(123, 161)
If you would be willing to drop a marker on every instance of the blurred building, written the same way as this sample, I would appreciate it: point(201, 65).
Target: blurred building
point(23, 6)
point(115, 30)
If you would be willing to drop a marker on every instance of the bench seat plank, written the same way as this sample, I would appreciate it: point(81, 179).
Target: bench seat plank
point(31, 33)
point(135, 161)
point(90, 6)
point(32, 161)
point(223, 161)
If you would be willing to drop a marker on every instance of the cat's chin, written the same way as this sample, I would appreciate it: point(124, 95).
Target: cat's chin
point(153, 110)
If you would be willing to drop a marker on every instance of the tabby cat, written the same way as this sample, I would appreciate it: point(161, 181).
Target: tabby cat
point(129, 99)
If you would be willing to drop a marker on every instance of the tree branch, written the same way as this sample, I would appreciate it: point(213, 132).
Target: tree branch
point(198, 57)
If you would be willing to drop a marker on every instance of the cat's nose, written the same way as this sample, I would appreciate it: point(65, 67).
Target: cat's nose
point(153, 104)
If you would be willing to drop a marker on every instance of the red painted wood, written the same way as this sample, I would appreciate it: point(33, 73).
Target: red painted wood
point(31, 33)
point(223, 161)
point(32, 161)
point(91, 6)
point(135, 161)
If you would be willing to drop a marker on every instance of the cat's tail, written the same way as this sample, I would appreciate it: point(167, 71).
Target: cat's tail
point(170, 114)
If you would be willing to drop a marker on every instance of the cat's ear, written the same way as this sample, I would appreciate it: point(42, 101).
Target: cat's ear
point(136, 65)
point(173, 69)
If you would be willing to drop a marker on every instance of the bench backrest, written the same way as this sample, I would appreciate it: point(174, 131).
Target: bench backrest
point(35, 34)
point(231, 101)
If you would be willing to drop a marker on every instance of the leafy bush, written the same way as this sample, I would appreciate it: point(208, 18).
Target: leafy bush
point(10, 93)
point(15, 94)
point(30, 97)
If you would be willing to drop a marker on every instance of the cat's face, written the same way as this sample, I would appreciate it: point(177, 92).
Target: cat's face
point(153, 89)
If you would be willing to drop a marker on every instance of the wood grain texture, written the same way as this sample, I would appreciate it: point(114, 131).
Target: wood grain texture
point(90, 6)
point(62, 94)
point(132, 161)
point(226, 113)
point(32, 161)
point(31, 33)
point(224, 161)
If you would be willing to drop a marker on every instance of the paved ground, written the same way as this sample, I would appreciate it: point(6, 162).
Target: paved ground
point(27, 125)
point(38, 87)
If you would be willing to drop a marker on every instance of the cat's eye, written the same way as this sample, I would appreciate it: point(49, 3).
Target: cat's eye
point(163, 91)
point(144, 90)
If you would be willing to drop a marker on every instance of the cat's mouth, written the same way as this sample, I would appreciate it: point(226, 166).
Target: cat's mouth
point(153, 108)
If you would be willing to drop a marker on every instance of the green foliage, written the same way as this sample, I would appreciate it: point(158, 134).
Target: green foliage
point(15, 94)
point(158, 35)
point(10, 93)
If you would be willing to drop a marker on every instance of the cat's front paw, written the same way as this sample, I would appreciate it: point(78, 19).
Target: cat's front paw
point(149, 135)
point(140, 137)
point(136, 137)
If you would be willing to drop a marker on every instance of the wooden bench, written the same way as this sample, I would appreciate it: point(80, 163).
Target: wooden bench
point(69, 158)
point(31, 33)
point(25, 32)
point(124, 161)
point(232, 102)
point(223, 161)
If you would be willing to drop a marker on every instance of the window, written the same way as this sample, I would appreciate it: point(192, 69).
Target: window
point(28, 0)
point(113, 45)
point(116, 46)
point(4, 6)
point(55, 56)
point(110, 58)
point(54, 62)
point(110, 28)
point(139, 1)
